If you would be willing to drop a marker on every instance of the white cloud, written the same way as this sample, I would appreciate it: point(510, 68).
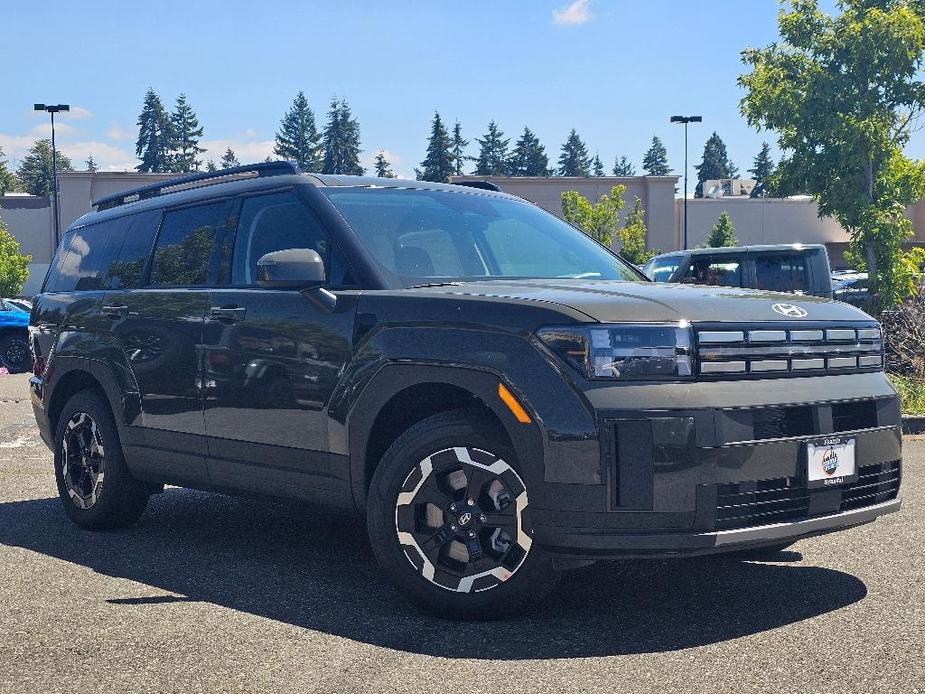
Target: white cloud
point(246, 151)
point(576, 12)
point(77, 113)
point(250, 133)
point(369, 160)
point(117, 132)
point(107, 157)
point(42, 131)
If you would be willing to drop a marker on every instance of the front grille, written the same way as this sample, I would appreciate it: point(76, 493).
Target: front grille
point(805, 349)
point(750, 504)
point(781, 422)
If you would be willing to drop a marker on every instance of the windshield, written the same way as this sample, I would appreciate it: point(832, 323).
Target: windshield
point(661, 269)
point(425, 237)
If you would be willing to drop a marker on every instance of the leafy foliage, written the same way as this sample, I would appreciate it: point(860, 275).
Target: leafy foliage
point(722, 234)
point(762, 170)
point(632, 236)
point(598, 220)
point(528, 157)
point(438, 164)
point(185, 132)
point(382, 166)
point(155, 135)
point(297, 138)
point(714, 165)
point(574, 159)
point(8, 182)
point(622, 166)
point(843, 93)
point(341, 141)
point(35, 170)
point(228, 159)
point(492, 159)
point(14, 266)
point(655, 161)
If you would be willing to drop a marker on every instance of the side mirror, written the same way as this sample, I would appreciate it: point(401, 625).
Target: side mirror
point(294, 268)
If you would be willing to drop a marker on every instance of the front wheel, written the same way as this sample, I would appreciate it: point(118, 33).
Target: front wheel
point(449, 520)
point(14, 352)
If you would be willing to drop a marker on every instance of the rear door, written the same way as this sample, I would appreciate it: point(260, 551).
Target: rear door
point(272, 358)
point(782, 271)
point(721, 270)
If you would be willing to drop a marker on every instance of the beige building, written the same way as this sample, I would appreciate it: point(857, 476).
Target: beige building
point(766, 220)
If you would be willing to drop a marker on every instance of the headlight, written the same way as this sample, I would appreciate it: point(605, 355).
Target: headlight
point(625, 352)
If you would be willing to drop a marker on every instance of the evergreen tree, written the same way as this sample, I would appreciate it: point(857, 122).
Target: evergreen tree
point(297, 139)
point(492, 159)
point(459, 150)
point(211, 167)
point(438, 162)
point(228, 159)
point(528, 157)
point(8, 182)
point(622, 166)
point(574, 159)
point(655, 161)
point(341, 141)
point(722, 234)
point(762, 170)
point(14, 266)
point(154, 135)
point(91, 164)
point(382, 166)
point(185, 131)
point(715, 164)
point(35, 170)
point(597, 167)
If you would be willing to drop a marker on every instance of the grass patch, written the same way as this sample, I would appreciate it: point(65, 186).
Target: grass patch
point(911, 393)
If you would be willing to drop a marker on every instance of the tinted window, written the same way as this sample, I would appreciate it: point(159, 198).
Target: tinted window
point(86, 254)
point(418, 236)
point(126, 268)
point(784, 272)
point(724, 272)
point(270, 223)
point(661, 269)
point(186, 243)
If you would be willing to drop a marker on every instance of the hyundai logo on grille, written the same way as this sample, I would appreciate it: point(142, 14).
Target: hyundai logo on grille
point(790, 310)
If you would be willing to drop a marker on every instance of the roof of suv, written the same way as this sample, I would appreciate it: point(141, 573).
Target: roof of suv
point(742, 249)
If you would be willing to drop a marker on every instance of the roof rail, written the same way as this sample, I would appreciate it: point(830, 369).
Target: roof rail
point(482, 185)
point(268, 168)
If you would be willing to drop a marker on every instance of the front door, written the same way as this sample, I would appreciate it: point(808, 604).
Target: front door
point(271, 360)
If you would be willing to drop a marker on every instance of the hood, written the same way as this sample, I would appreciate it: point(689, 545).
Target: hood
point(613, 301)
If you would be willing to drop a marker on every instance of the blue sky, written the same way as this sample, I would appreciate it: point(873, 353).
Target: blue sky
point(613, 69)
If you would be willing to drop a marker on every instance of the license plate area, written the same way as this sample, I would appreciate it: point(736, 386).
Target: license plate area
point(831, 462)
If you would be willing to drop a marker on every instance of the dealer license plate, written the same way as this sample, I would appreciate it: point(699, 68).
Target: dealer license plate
point(830, 462)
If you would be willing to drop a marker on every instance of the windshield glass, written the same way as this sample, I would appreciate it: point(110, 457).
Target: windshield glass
point(425, 236)
point(661, 269)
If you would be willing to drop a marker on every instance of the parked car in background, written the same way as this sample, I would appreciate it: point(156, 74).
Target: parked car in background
point(852, 287)
point(14, 337)
point(793, 268)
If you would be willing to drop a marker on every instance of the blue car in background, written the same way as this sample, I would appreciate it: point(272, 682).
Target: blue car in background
point(14, 337)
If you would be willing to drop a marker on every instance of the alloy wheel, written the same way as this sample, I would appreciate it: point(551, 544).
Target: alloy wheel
point(82, 460)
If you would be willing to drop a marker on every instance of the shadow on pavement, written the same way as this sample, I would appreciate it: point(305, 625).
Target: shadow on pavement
point(316, 571)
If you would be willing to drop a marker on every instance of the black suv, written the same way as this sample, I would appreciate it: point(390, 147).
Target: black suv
point(499, 394)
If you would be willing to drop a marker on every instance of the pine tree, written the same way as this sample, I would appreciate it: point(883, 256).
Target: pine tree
point(35, 169)
point(458, 149)
point(574, 159)
point(154, 135)
point(297, 139)
point(382, 166)
point(211, 167)
point(622, 166)
point(655, 161)
point(228, 159)
point(8, 182)
point(762, 170)
point(91, 164)
point(185, 131)
point(341, 141)
point(528, 157)
point(438, 162)
point(597, 167)
point(715, 164)
point(722, 234)
point(492, 159)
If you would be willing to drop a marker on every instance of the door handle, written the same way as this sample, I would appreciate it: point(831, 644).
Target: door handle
point(114, 311)
point(227, 313)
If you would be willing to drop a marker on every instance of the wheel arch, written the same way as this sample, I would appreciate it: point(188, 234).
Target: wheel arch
point(72, 375)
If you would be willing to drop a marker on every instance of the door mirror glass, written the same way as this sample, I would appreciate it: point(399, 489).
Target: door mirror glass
point(292, 268)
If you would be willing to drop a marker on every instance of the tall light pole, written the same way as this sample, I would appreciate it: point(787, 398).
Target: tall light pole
point(53, 109)
point(685, 120)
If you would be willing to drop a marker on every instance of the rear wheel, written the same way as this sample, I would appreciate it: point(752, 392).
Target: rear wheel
point(14, 352)
point(94, 483)
point(448, 517)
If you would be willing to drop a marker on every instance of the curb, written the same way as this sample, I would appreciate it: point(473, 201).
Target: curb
point(913, 423)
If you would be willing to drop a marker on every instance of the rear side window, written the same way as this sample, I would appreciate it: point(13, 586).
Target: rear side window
point(86, 255)
point(782, 272)
point(126, 269)
point(185, 244)
point(716, 271)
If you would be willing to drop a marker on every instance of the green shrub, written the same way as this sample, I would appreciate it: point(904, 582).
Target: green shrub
point(911, 393)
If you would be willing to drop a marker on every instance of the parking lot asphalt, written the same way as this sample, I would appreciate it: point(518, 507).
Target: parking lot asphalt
point(209, 593)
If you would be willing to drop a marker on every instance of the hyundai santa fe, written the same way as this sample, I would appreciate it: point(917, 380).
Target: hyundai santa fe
point(498, 394)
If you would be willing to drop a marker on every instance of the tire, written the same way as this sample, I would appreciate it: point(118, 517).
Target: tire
point(94, 483)
point(14, 352)
point(759, 553)
point(450, 557)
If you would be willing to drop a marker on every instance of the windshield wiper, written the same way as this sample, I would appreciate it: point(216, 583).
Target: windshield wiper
point(434, 284)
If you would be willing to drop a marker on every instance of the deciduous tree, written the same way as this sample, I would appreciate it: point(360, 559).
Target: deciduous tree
point(35, 169)
point(8, 182)
point(632, 236)
point(14, 266)
point(598, 220)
